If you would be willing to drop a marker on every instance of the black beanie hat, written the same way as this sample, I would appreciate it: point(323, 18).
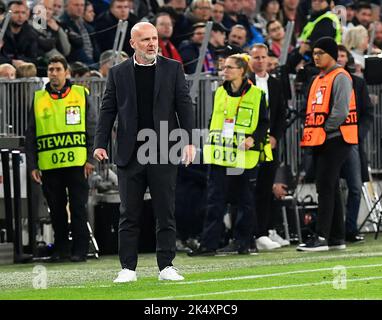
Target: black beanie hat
point(328, 45)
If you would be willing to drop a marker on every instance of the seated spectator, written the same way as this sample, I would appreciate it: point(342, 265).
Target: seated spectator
point(189, 51)
point(58, 9)
point(256, 34)
point(7, 71)
point(291, 11)
point(218, 11)
point(217, 41)
point(276, 36)
point(238, 36)
point(89, 13)
point(178, 5)
point(273, 63)
point(146, 8)
point(106, 61)
point(26, 70)
point(269, 10)
point(52, 39)
point(79, 69)
point(20, 39)
point(363, 15)
point(106, 25)
point(2, 10)
point(378, 35)
point(164, 25)
point(83, 45)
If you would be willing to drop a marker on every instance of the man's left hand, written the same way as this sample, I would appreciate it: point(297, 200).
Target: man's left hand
point(88, 169)
point(189, 153)
point(273, 142)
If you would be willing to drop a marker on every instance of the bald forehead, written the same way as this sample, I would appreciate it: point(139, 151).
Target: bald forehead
point(142, 28)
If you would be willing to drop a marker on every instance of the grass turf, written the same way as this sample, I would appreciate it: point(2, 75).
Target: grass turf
point(280, 274)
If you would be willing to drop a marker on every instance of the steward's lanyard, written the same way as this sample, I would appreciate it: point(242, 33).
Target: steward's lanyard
point(226, 102)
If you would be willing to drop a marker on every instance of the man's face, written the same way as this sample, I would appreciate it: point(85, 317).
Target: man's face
point(178, 5)
point(56, 74)
point(378, 32)
point(233, 6)
point(364, 16)
point(145, 42)
point(272, 64)
point(89, 13)
point(164, 27)
point(249, 5)
point(120, 10)
point(276, 31)
point(217, 12)
point(19, 14)
point(198, 35)
point(342, 59)
point(44, 10)
point(259, 60)
point(58, 7)
point(237, 37)
point(318, 5)
point(291, 4)
point(203, 11)
point(75, 8)
point(219, 37)
point(321, 59)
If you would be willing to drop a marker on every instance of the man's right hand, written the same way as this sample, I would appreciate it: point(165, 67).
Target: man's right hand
point(36, 176)
point(100, 154)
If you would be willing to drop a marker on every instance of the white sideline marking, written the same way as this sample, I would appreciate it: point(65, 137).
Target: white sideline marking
point(260, 289)
point(272, 274)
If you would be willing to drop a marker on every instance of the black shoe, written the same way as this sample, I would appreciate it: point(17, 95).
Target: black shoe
point(232, 248)
point(335, 244)
point(75, 258)
point(58, 257)
point(201, 252)
point(314, 244)
point(354, 238)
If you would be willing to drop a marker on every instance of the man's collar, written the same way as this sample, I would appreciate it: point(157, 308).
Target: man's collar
point(144, 65)
point(265, 78)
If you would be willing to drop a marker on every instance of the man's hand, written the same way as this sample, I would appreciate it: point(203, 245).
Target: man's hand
point(52, 23)
point(189, 153)
point(88, 169)
point(100, 154)
point(36, 176)
point(273, 142)
point(280, 190)
point(247, 144)
point(304, 47)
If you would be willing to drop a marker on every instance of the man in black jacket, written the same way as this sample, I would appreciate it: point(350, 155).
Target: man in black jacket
point(267, 171)
point(20, 39)
point(106, 25)
point(150, 96)
point(355, 168)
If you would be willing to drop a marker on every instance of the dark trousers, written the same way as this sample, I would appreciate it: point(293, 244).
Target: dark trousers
point(55, 184)
point(218, 185)
point(351, 172)
point(133, 181)
point(264, 197)
point(329, 159)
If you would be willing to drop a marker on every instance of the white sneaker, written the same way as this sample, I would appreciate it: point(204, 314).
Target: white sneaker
point(275, 237)
point(264, 243)
point(170, 273)
point(126, 275)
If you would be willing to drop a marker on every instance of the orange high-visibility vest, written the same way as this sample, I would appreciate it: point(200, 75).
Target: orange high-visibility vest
point(317, 111)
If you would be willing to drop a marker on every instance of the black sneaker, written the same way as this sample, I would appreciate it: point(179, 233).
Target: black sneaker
point(335, 244)
point(201, 252)
point(314, 244)
point(354, 238)
point(231, 248)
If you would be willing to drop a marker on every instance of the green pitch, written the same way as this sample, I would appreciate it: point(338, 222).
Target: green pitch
point(355, 273)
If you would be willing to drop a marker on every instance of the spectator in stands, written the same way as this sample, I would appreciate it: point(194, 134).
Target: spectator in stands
point(177, 9)
point(20, 39)
point(350, 13)
point(355, 168)
point(83, 45)
point(266, 235)
point(322, 23)
point(238, 36)
point(249, 10)
point(226, 169)
point(163, 23)
point(269, 10)
point(106, 26)
point(52, 40)
point(218, 11)
point(189, 51)
point(89, 13)
point(276, 36)
point(272, 63)
point(7, 71)
point(363, 15)
point(233, 16)
point(26, 70)
point(79, 70)
point(2, 10)
point(58, 8)
point(146, 8)
point(378, 35)
point(291, 11)
point(356, 41)
point(217, 41)
point(178, 5)
point(106, 61)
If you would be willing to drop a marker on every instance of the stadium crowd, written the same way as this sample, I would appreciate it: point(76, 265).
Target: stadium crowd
point(83, 32)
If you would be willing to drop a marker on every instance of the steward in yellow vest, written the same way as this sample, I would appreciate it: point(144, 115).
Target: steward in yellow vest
point(239, 127)
point(59, 143)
